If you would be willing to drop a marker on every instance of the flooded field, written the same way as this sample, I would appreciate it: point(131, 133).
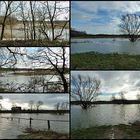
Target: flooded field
point(11, 82)
point(105, 45)
point(104, 115)
point(9, 129)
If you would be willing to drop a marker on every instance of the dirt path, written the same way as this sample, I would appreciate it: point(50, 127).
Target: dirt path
point(114, 133)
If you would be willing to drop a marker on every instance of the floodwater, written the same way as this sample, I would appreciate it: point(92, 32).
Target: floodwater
point(9, 129)
point(105, 45)
point(104, 115)
point(18, 34)
point(24, 83)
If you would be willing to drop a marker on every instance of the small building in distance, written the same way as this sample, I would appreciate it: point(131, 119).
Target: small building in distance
point(16, 109)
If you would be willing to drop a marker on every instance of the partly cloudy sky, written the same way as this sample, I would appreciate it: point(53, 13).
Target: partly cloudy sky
point(98, 17)
point(113, 82)
point(24, 61)
point(63, 14)
point(49, 100)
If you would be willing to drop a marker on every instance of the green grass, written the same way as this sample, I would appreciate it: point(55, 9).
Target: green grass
point(89, 133)
point(121, 131)
point(94, 60)
point(39, 134)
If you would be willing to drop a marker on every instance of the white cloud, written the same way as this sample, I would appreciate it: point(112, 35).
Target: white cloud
point(123, 6)
point(113, 82)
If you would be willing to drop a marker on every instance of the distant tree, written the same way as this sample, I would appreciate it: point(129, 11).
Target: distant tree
point(85, 89)
point(31, 103)
point(38, 104)
point(122, 95)
point(130, 24)
point(138, 97)
point(61, 106)
point(1, 104)
point(113, 98)
point(57, 106)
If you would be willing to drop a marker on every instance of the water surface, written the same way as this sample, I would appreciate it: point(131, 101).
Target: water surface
point(104, 115)
point(9, 129)
point(105, 45)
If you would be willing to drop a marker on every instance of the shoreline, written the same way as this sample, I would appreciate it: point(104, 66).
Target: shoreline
point(120, 131)
point(30, 133)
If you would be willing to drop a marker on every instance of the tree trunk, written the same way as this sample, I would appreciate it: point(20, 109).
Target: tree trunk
point(65, 84)
point(33, 21)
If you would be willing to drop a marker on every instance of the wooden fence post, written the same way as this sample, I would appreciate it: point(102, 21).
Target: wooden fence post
point(31, 122)
point(48, 125)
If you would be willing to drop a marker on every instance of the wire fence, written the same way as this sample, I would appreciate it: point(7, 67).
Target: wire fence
point(31, 120)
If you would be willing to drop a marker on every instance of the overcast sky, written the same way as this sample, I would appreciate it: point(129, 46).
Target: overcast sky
point(113, 82)
point(49, 100)
point(101, 16)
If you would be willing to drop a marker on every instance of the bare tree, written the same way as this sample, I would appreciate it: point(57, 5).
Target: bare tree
point(38, 104)
point(56, 60)
point(57, 106)
point(1, 104)
point(113, 97)
point(32, 8)
point(61, 106)
point(24, 18)
point(122, 95)
point(8, 56)
point(8, 12)
point(130, 25)
point(49, 13)
point(31, 103)
point(85, 90)
point(138, 97)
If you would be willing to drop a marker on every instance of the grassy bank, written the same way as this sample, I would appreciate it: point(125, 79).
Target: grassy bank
point(108, 132)
point(32, 43)
point(92, 60)
point(39, 134)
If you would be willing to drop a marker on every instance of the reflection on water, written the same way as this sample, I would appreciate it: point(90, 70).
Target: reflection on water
point(9, 129)
point(104, 115)
point(105, 45)
point(24, 83)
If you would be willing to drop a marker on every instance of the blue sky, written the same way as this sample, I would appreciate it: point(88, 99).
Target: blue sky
point(99, 17)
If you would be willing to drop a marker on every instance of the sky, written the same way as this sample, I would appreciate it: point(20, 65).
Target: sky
point(101, 17)
point(24, 61)
point(60, 4)
point(49, 100)
point(113, 82)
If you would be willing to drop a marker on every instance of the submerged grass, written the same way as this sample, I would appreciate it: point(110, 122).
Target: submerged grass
point(93, 60)
point(121, 131)
point(39, 134)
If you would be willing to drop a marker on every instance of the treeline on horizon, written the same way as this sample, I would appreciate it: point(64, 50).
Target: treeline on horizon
point(116, 101)
point(26, 69)
point(34, 111)
point(76, 33)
